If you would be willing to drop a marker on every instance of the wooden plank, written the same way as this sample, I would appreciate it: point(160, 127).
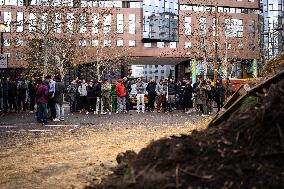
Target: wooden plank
point(236, 100)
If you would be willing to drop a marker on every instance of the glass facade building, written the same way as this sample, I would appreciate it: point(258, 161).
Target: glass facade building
point(273, 24)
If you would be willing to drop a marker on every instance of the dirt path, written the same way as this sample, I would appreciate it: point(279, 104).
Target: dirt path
point(72, 159)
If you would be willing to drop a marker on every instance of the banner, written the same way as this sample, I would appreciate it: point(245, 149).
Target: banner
point(254, 68)
point(193, 70)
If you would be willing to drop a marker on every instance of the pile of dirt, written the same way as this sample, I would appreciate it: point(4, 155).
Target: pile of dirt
point(273, 66)
point(247, 151)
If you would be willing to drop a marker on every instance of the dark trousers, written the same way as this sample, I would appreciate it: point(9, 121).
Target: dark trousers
point(32, 103)
point(83, 103)
point(151, 99)
point(42, 113)
point(91, 103)
point(21, 101)
point(72, 105)
point(187, 103)
point(5, 104)
point(127, 102)
point(12, 102)
point(51, 107)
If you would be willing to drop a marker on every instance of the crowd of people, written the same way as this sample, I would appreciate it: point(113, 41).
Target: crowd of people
point(105, 97)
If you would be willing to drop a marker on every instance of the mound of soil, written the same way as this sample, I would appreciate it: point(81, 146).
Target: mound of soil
point(273, 66)
point(247, 151)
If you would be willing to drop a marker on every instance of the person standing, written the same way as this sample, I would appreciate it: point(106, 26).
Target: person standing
point(128, 90)
point(151, 89)
point(32, 94)
point(106, 89)
point(51, 92)
point(41, 100)
point(121, 93)
point(187, 95)
point(171, 95)
point(98, 95)
point(58, 99)
point(12, 94)
point(91, 98)
point(22, 94)
point(82, 90)
point(219, 93)
point(72, 92)
point(161, 90)
point(140, 88)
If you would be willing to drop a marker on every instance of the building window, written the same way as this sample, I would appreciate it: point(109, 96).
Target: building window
point(57, 23)
point(70, 22)
point(150, 66)
point(18, 56)
point(82, 23)
point(162, 71)
point(132, 20)
point(119, 23)
point(147, 45)
point(107, 23)
point(95, 22)
point(119, 43)
point(187, 25)
point(95, 42)
point(234, 27)
point(7, 42)
point(32, 22)
point(252, 28)
point(173, 45)
point(82, 43)
point(202, 24)
point(160, 44)
point(240, 46)
point(187, 45)
point(145, 72)
point(150, 72)
point(107, 43)
point(20, 22)
point(19, 42)
point(131, 43)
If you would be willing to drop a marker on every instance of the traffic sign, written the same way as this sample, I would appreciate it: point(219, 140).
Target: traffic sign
point(3, 60)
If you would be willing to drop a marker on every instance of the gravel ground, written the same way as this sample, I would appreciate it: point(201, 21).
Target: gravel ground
point(79, 151)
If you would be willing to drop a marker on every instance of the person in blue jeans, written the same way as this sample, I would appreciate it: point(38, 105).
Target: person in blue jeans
point(58, 98)
point(41, 100)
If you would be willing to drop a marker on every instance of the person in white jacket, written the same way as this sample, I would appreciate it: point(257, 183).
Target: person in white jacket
point(82, 90)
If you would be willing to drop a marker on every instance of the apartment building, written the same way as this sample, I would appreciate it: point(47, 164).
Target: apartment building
point(187, 30)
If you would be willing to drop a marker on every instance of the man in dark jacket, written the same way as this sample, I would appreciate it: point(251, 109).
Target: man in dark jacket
point(22, 94)
point(187, 95)
point(151, 89)
point(91, 98)
point(98, 95)
point(128, 90)
point(171, 95)
point(5, 89)
point(12, 94)
point(219, 93)
point(58, 99)
point(41, 100)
